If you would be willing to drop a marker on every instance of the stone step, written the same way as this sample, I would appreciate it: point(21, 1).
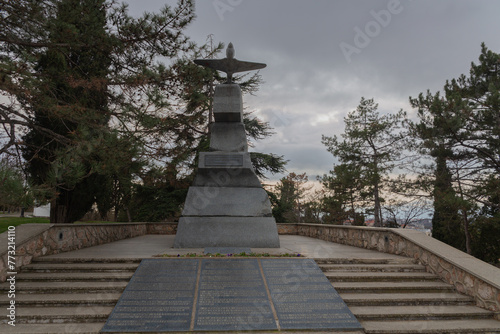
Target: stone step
point(402, 299)
point(60, 299)
point(44, 259)
point(80, 267)
point(52, 314)
point(398, 260)
point(392, 287)
point(457, 326)
point(65, 328)
point(437, 312)
point(349, 276)
point(87, 328)
point(79, 276)
point(65, 287)
point(373, 267)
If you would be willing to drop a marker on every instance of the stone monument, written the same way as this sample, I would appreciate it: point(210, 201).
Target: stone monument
point(226, 206)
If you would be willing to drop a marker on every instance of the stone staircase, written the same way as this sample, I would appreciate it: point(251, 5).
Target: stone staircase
point(66, 296)
point(399, 296)
point(387, 296)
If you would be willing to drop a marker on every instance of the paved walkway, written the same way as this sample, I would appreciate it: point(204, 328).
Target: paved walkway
point(153, 245)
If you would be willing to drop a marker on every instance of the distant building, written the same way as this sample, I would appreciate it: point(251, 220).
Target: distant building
point(42, 211)
point(348, 222)
point(370, 223)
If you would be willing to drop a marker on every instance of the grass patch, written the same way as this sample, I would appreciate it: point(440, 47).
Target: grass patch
point(5, 222)
point(100, 222)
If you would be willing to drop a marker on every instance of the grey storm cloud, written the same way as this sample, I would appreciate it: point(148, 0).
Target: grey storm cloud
point(322, 56)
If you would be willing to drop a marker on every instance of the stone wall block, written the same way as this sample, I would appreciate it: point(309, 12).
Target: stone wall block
point(460, 287)
point(26, 260)
point(424, 257)
point(445, 264)
point(392, 246)
point(381, 243)
point(359, 242)
point(486, 292)
point(373, 241)
point(414, 251)
point(30, 247)
point(468, 282)
point(3, 268)
point(20, 250)
point(80, 233)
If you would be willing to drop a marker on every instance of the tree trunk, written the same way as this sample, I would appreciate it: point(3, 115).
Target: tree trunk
point(468, 247)
point(129, 216)
point(58, 213)
point(59, 209)
point(378, 210)
point(467, 232)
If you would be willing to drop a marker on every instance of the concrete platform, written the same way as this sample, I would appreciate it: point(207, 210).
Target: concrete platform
point(153, 245)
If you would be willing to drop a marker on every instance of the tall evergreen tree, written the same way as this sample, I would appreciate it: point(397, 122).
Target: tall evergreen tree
point(71, 109)
point(446, 225)
point(461, 131)
point(345, 186)
point(372, 144)
point(83, 78)
point(286, 199)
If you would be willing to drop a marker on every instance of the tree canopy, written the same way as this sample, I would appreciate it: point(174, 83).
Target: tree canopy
point(99, 101)
point(366, 155)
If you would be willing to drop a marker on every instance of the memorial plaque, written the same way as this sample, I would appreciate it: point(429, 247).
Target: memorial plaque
point(232, 296)
point(227, 250)
point(158, 298)
point(304, 298)
point(180, 295)
point(224, 160)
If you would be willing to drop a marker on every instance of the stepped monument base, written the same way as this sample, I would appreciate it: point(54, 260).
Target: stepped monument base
point(227, 206)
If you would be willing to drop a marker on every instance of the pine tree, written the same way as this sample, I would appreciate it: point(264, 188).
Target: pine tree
point(344, 185)
point(84, 80)
point(446, 225)
point(287, 198)
point(461, 131)
point(70, 108)
point(371, 144)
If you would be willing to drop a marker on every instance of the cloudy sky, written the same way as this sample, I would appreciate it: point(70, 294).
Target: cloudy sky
point(322, 56)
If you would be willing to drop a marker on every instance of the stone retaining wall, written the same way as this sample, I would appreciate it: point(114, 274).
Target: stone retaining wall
point(469, 275)
point(68, 237)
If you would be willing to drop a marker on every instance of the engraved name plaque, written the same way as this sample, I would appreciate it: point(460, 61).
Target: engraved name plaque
point(158, 298)
point(232, 297)
point(224, 160)
point(197, 295)
point(304, 298)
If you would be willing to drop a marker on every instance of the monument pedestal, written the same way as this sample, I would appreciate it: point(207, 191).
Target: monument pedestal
point(227, 206)
point(201, 232)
